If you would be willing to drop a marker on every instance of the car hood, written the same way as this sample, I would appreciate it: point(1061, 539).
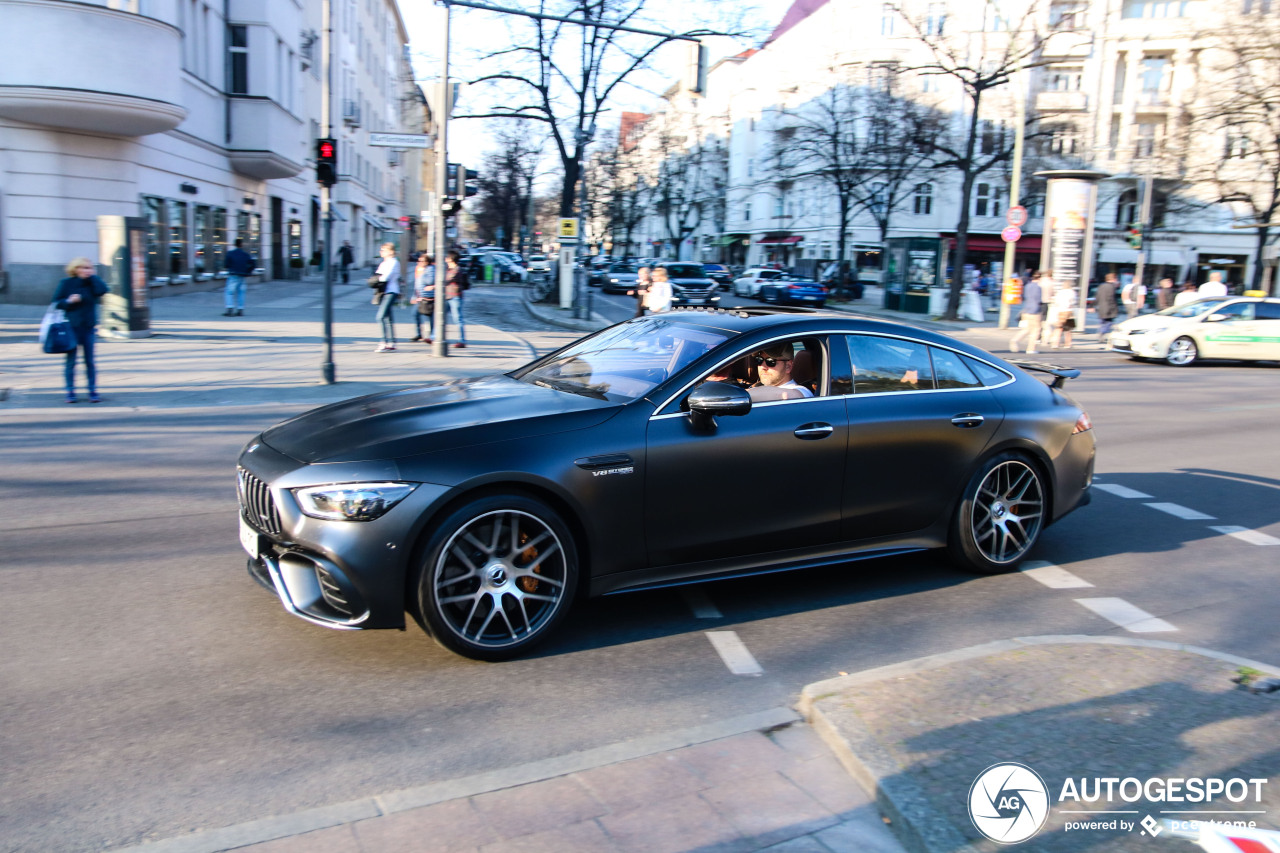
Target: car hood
point(1154, 321)
point(435, 417)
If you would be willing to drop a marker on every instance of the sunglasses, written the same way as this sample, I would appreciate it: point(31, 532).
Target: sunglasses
point(767, 362)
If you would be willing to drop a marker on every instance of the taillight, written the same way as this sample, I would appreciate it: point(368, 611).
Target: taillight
point(1083, 424)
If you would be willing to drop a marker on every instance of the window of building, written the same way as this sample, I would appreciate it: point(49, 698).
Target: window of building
point(751, 167)
point(986, 200)
point(202, 231)
point(157, 235)
point(1237, 145)
point(1113, 139)
point(1261, 7)
point(778, 207)
point(881, 75)
point(1068, 14)
point(929, 83)
point(295, 241)
point(878, 197)
point(217, 248)
point(1061, 140)
point(1121, 72)
point(1155, 80)
point(746, 212)
point(1149, 140)
point(249, 229)
point(935, 19)
point(1159, 8)
point(992, 137)
point(238, 60)
point(1063, 78)
point(1127, 209)
point(178, 237)
point(924, 199)
point(992, 20)
point(887, 16)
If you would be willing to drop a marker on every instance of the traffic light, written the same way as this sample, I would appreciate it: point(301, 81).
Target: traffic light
point(1135, 236)
point(456, 177)
point(450, 207)
point(326, 162)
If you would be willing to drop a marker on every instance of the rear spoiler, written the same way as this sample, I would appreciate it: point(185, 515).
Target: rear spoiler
point(1060, 374)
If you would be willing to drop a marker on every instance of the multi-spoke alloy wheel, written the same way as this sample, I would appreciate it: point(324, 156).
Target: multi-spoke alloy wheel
point(499, 574)
point(1182, 352)
point(1000, 516)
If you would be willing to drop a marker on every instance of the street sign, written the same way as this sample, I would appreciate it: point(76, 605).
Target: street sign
point(1017, 215)
point(402, 140)
point(568, 229)
point(1012, 234)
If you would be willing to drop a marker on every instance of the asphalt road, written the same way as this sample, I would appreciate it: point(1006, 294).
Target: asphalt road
point(151, 688)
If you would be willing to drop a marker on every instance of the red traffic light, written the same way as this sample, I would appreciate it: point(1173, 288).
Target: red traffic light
point(326, 149)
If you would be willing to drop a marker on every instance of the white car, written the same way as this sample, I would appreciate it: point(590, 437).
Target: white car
point(539, 263)
point(1235, 327)
point(748, 284)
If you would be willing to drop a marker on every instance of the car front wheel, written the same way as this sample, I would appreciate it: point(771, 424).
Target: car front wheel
point(1000, 515)
point(1182, 352)
point(496, 577)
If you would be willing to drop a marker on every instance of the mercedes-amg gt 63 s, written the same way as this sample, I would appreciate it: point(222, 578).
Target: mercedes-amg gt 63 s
point(673, 448)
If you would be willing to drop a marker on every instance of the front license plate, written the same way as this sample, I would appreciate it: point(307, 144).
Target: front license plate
point(810, 298)
point(249, 538)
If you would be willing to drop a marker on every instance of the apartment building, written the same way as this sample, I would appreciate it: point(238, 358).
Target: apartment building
point(199, 116)
point(1112, 86)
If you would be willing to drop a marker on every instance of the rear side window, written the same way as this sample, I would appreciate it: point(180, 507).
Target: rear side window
point(989, 375)
point(950, 371)
point(1269, 310)
point(883, 365)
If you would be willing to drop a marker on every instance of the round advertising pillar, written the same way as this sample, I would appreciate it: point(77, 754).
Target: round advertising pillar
point(1071, 201)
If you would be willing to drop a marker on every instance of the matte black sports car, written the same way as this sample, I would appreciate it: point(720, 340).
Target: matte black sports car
point(646, 455)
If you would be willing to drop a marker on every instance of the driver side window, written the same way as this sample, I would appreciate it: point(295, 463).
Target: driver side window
point(1237, 311)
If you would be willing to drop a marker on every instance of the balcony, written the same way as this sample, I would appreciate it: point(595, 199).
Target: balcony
point(351, 113)
point(265, 139)
point(1057, 102)
point(75, 66)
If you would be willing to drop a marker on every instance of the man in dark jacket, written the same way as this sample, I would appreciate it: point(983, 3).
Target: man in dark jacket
point(1104, 302)
point(346, 257)
point(239, 265)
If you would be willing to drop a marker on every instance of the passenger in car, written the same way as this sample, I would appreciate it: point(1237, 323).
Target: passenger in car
point(775, 364)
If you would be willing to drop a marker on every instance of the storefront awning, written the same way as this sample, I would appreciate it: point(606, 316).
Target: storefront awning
point(376, 222)
point(729, 239)
point(773, 240)
point(994, 243)
point(1155, 257)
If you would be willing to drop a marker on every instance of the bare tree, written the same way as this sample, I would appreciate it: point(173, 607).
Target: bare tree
point(619, 193)
point(1232, 138)
point(690, 176)
point(980, 63)
point(564, 74)
point(505, 185)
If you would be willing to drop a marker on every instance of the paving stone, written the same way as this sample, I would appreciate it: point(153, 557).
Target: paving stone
point(637, 783)
point(799, 740)
point(826, 780)
point(677, 825)
point(335, 839)
point(584, 837)
point(862, 832)
point(728, 758)
point(450, 827)
point(768, 808)
point(537, 807)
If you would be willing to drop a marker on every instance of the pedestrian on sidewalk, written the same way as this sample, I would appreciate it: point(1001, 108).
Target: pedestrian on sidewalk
point(1133, 296)
point(424, 292)
point(641, 289)
point(1164, 296)
point(77, 295)
point(456, 281)
point(1187, 294)
point(388, 273)
point(1048, 287)
point(346, 257)
point(1104, 303)
point(1214, 286)
point(239, 265)
point(1063, 311)
point(1029, 321)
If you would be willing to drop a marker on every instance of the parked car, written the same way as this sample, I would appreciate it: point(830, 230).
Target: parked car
point(689, 284)
point(486, 507)
point(793, 291)
point(620, 278)
point(1246, 328)
point(718, 273)
point(539, 263)
point(748, 284)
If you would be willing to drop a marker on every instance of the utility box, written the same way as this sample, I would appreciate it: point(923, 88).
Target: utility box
point(122, 256)
point(914, 266)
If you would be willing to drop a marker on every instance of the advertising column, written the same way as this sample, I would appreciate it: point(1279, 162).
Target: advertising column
point(1070, 202)
point(122, 251)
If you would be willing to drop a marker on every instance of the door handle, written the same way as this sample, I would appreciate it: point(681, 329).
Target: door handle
point(968, 420)
point(811, 432)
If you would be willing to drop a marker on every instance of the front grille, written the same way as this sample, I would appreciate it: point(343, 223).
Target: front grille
point(695, 293)
point(257, 504)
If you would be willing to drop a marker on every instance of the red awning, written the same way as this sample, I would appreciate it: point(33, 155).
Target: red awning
point(779, 241)
point(993, 243)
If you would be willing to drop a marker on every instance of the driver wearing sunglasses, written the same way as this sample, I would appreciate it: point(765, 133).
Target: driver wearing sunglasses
point(774, 367)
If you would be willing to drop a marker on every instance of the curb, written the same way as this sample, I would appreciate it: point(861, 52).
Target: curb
point(405, 799)
point(916, 824)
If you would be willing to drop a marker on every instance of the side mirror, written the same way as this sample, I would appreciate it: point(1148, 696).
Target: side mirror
point(1216, 318)
point(716, 398)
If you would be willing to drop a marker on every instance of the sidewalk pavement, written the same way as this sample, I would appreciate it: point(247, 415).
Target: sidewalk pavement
point(913, 735)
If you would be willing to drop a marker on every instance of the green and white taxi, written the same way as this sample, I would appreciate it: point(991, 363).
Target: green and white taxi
point(1234, 327)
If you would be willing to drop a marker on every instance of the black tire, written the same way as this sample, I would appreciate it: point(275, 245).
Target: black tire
point(1000, 515)
point(496, 576)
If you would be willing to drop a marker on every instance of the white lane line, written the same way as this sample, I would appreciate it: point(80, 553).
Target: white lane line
point(1054, 577)
point(734, 653)
point(1126, 615)
point(1182, 512)
point(1121, 491)
point(1253, 537)
point(699, 603)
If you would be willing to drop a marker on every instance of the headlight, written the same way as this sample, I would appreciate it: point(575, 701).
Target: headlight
point(352, 501)
point(1147, 331)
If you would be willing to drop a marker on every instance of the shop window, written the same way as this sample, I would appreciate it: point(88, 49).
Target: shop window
point(157, 236)
point(178, 238)
point(249, 229)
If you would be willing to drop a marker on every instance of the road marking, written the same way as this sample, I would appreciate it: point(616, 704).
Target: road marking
point(1182, 512)
point(1054, 577)
point(1253, 537)
point(1121, 491)
point(734, 653)
point(699, 603)
point(1126, 615)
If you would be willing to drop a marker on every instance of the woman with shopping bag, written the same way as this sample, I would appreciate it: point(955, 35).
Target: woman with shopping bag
point(77, 297)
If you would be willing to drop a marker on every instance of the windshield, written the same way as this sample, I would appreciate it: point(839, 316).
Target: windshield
point(685, 271)
point(1192, 309)
point(622, 268)
point(623, 362)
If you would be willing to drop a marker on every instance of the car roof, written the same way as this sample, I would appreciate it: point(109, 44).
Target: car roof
point(783, 319)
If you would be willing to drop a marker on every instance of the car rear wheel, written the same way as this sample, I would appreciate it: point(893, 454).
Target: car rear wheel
point(1000, 515)
point(497, 576)
point(1182, 352)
